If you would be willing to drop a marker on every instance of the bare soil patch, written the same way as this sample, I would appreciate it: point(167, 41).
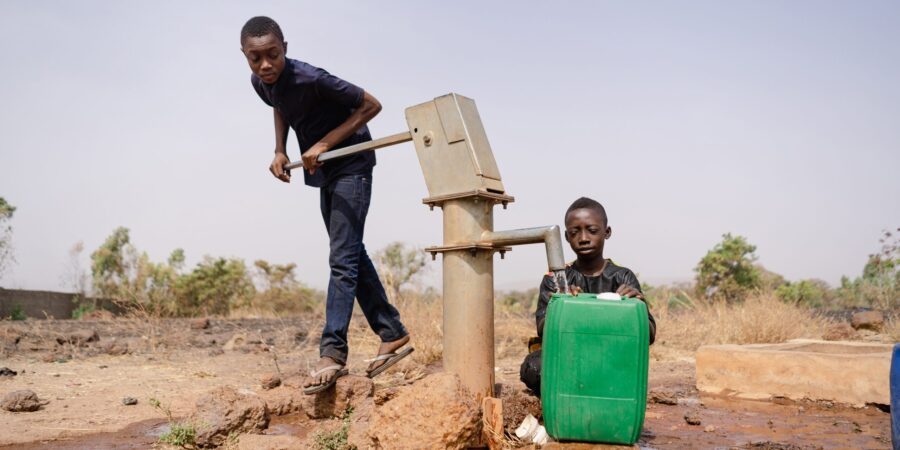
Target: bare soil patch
point(177, 361)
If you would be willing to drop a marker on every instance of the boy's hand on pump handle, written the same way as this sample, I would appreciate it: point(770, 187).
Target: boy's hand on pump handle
point(311, 157)
point(277, 167)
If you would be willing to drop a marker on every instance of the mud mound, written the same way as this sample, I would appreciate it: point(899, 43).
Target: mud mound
point(517, 405)
point(436, 412)
point(225, 411)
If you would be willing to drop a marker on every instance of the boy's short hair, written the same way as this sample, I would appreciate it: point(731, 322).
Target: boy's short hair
point(587, 203)
point(261, 26)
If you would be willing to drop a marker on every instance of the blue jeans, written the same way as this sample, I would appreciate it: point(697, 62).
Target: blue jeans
point(345, 202)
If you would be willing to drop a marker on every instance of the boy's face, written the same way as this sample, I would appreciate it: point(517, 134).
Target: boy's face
point(265, 54)
point(586, 231)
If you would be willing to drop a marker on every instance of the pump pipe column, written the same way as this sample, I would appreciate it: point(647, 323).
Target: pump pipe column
point(468, 291)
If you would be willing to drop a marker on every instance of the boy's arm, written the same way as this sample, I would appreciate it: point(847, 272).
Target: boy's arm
point(281, 158)
point(368, 108)
point(548, 287)
point(631, 287)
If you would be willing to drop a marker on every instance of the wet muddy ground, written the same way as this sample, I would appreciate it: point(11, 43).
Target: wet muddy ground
point(175, 361)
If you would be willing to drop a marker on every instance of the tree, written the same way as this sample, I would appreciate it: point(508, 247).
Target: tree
point(879, 285)
point(112, 266)
point(398, 265)
point(6, 254)
point(214, 287)
point(74, 277)
point(280, 292)
point(727, 271)
point(814, 293)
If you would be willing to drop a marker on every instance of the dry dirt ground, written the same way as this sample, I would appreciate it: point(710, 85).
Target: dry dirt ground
point(84, 379)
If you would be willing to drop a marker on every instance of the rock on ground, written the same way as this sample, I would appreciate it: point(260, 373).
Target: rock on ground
point(200, 324)
point(21, 401)
point(78, 338)
point(270, 381)
point(868, 320)
point(436, 412)
point(114, 348)
point(841, 331)
point(237, 341)
point(692, 418)
point(662, 396)
point(225, 411)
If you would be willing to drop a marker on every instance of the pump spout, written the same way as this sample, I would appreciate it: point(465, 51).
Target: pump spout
point(550, 236)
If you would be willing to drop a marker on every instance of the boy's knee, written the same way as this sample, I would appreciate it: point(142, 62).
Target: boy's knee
point(530, 372)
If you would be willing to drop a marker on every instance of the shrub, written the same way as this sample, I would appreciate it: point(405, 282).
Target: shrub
point(82, 309)
point(17, 313)
point(213, 287)
point(879, 285)
point(335, 439)
point(524, 302)
point(727, 271)
point(814, 293)
point(180, 434)
point(279, 291)
point(398, 265)
point(130, 279)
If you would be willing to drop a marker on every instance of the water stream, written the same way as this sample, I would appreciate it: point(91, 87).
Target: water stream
point(562, 285)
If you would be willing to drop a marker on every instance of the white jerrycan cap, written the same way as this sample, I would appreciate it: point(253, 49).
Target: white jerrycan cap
point(611, 296)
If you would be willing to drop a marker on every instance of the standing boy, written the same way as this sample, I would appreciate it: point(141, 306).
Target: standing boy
point(326, 113)
point(587, 231)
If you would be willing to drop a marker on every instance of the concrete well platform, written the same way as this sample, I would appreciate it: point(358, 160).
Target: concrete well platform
point(847, 372)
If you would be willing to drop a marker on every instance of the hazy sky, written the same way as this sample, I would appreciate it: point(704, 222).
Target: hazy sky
point(778, 121)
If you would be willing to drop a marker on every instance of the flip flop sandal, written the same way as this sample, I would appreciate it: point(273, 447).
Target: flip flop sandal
point(389, 360)
point(340, 371)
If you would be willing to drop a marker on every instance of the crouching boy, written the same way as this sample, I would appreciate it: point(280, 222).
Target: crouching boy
point(586, 231)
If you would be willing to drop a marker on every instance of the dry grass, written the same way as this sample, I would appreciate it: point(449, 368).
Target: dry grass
point(683, 326)
point(761, 318)
point(511, 333)
point(892, 329)
point(421, 316)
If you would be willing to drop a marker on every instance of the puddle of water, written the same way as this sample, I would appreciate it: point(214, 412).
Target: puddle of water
point(139, 435)
point(290, 425)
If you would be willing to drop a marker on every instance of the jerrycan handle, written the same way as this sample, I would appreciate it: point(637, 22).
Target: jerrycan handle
point(609, 296)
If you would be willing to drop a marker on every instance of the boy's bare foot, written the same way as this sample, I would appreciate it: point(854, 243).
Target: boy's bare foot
point(385, 348)
point(325, 376)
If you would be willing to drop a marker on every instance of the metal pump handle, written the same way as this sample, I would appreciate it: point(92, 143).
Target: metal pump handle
point(357, 148)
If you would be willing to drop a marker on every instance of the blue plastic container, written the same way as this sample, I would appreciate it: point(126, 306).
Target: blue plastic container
point(895, 397)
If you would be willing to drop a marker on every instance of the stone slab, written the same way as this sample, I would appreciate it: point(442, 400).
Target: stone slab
point(855, 373)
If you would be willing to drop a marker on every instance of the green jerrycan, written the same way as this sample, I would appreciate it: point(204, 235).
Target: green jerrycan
point(594, 368)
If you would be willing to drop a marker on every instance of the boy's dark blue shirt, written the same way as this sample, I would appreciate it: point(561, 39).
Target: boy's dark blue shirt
point(314, 102)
